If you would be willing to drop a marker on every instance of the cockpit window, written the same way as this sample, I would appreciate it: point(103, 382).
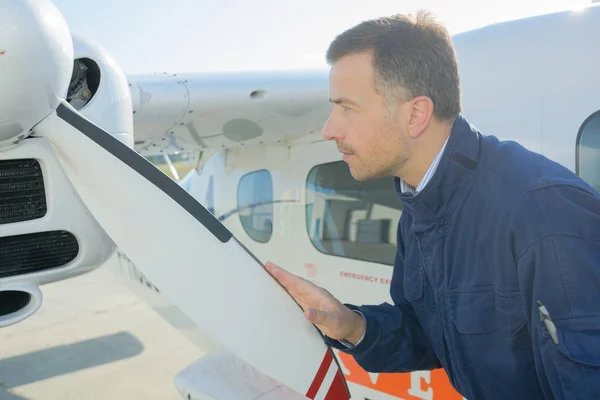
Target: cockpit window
point(588, 151)
point(352, 219)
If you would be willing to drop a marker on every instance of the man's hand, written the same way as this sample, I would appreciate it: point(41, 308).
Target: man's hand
point(333, 318)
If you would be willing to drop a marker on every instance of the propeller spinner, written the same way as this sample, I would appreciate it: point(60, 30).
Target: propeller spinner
point(36, 62)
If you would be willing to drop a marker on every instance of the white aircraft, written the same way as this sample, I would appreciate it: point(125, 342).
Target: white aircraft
point(262, 170)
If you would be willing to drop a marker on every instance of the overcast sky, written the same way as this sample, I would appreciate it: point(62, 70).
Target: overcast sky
point(201, 35)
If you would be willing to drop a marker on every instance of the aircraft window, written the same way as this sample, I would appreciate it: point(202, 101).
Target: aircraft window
point(352, 219)
point(210, 195)
point(255, 205)
point(588, 151)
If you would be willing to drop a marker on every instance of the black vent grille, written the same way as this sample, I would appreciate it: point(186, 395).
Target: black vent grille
point(22, 193)
point(35, 252)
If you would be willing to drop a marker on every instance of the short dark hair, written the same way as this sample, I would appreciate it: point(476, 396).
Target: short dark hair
point(413, 53)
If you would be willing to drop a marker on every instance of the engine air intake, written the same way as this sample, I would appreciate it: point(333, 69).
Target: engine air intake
point(33, 252)
point(22, 193)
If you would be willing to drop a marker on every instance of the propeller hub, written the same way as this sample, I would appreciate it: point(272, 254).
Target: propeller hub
point(36, 62)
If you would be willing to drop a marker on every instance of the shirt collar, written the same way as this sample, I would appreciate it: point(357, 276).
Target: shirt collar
point(404, 187)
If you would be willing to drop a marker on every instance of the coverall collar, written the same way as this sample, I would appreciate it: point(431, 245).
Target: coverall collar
point(453, 178)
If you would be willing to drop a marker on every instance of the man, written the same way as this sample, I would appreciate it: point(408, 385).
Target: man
point(497, 273)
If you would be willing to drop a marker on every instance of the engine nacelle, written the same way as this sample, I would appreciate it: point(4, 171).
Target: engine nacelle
point(47, 234)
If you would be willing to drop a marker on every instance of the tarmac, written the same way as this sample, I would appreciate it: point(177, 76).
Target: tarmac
point(92, 339)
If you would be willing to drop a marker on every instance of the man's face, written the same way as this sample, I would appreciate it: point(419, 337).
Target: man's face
point(372, 136)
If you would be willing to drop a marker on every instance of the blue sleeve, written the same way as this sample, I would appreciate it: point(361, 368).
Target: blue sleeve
point(562, 274)
point(393, 340)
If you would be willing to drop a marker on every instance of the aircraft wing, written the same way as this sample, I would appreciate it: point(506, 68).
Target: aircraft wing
point(191, 112)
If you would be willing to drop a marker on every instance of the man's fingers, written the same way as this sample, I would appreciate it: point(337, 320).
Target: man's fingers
point(318, 317)
point(290, 281)
point(279, 273)
point(272, 268)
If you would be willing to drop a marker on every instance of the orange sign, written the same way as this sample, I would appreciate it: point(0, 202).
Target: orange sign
point(420, 385)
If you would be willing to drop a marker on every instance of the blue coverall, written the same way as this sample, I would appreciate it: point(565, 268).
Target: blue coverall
point(498, 234)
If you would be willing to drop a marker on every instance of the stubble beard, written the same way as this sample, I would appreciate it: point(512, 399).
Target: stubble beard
point(386, 160)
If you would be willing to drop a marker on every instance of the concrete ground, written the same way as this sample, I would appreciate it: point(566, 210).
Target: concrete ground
point(92, 339)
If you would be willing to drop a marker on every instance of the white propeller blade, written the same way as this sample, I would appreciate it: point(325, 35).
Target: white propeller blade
point(214, 280)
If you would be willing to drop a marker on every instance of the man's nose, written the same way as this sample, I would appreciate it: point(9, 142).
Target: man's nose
point(331, 131)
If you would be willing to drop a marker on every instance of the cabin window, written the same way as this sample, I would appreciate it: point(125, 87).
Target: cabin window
point(255, 205)
point(349, 218)
point(588, 151)
point(210, 195)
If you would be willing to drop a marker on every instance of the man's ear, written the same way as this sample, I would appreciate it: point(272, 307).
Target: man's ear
point(421, 112)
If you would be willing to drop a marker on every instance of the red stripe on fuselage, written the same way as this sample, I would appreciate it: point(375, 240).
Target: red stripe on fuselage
point(316, 383)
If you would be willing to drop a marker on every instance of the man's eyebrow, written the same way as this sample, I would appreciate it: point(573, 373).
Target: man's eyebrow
point(343, 100)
